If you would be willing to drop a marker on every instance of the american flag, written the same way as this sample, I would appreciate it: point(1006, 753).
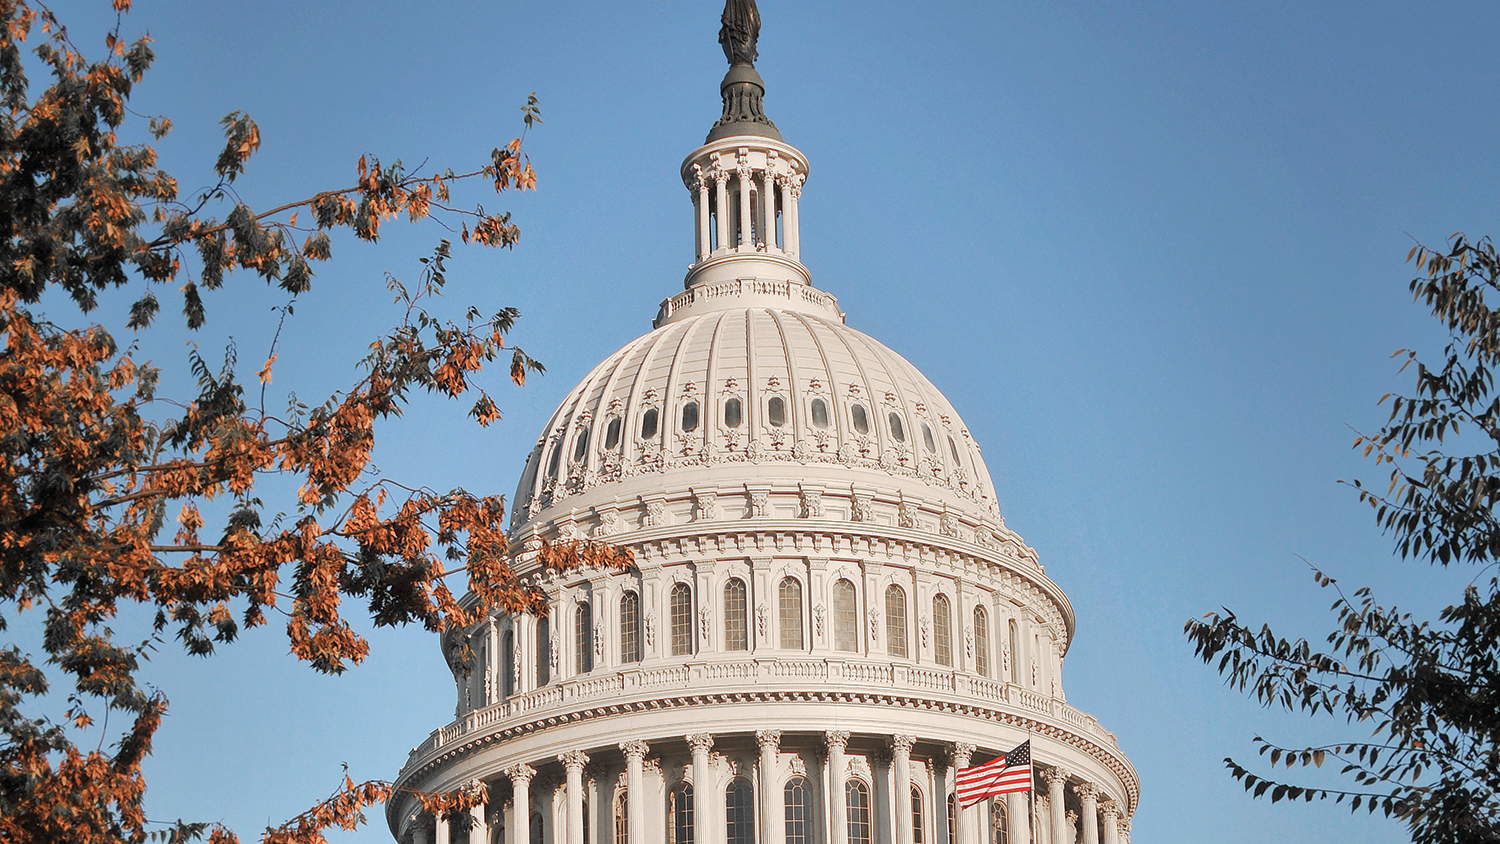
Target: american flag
point(1003, 775)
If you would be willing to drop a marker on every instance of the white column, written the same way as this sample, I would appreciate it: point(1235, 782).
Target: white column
point(700, 207)
point(573, 761)
point(440, 830)
point(772, 830)
point(520, 783)
point(419, 833)
point(1041, 818)
point(701, 743)
point(768, 208)
point(635, 793)
point(838, 774)
point(479, 833)
point(1057, 780)
point(1111, 812)
point(792, 223)
point(721, 206)
point(901, 761)
point(1089, 817)
point(968, 819)
point(1018, 807)
point(747, 223)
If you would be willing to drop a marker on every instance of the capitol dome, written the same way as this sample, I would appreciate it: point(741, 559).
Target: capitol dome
point(827, 618)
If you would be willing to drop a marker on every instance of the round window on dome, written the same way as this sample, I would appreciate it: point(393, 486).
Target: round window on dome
point(581, 445)
point(819, 413)
point(690, 416)
point(927, 437)
point(897, 429)
point(776, 411)
point(648, 424)
point(612, 433)
point(732, 413)
point(861, 420)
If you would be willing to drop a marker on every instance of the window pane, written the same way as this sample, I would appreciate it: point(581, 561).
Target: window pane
point(798, 801)
point(845, 617)
point(999, 820)
point(739, 812)
point(861, 421)
point(630, 627)
point(612, 433)
point(897, 429)
point(981, 642)
point(1015, 654)
point(776, 411)
point(508, 664)
point(581, 446)
point(857, 805)
point(927, 437)
point(680, 814)
point(942, 631)
point(553, 463)
point(543, 651)
point(583, 644)
point(648, 424)
point(622, 818)
point(895, 621)
point(916, 816)
point(690, 416)
point(732, 413)
point(819, 413)
point(789, 596)
point(682, 619)
point(736, 620)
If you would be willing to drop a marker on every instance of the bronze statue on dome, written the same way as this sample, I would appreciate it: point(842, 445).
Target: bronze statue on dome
point(740, 30)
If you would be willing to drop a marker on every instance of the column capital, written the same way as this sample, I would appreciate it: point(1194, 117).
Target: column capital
point(634, 749)
point(836, 738)
point(574, 760)
point(476, 787)
point(1086, 791)
point(768, 739)
point(701, 742)
point(901, 745)
point(961, 752)
point(1056, 777)
point(1109, 808)
point(520, 773)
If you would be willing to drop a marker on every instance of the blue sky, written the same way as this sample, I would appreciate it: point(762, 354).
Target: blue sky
point(1152, 252)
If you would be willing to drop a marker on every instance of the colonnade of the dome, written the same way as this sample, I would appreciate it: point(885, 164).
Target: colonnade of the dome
point(770, 786)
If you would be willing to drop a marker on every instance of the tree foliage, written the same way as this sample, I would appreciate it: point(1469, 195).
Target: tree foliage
point(1428, 690)
point(104, 485)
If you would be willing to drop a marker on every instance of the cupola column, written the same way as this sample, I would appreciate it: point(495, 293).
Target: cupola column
point(901, 762)
point(838, 775)
point(635, 794)
point(703, 794)
point(520, 784)
point(721, 206)
point(479, 830)
point(573, 761)
point(772, 832)
point(700, 209)
point(768, 204)
point(440, 830)
point(792, 190)
point(747, 222)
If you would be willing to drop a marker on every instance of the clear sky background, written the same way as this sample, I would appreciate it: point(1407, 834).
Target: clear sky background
point(1152, 252)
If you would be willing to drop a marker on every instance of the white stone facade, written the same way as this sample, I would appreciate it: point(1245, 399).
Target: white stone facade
point(828, 614)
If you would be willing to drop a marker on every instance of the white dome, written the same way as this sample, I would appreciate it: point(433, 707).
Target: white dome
point(806, 398)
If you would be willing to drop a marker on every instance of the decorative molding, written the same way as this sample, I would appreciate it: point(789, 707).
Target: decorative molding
point(836, 738)
point(768, 738)
point(901, 745)
point(635, 749)
point(701, 742)
point(573, 759)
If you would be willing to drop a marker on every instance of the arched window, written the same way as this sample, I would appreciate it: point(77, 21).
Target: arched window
point(508, 663)
point(543, 651)
point(681, 609)
point(942, 631)
point(999, 821)
point(736, 616)
point(739, 812)
point(648, 423)
point(798, 802)
point(916, 816)
point(583, 638)
point(630, 627)
point(952, 820)
point(776, 411)
point(733, 414)
point(1015, 654)
point(981, 641)
point(845, 617)
point(680, 814)
point(789, 598)
point(536, 828)
point(690, 416)
point(898, 430)
point(622, 818)
point(612, 433)
point(857, 806)
point(895, 621)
